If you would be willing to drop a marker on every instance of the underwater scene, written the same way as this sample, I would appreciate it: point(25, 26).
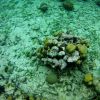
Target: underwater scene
point(49, 49)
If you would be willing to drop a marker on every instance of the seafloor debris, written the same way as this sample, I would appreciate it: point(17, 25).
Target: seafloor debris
point(61, 51)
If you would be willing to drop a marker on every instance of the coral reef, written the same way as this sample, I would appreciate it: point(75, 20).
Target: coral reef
point(61, 51)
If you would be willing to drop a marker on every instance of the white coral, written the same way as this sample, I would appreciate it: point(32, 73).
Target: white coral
point(52, 53)
point(65, 57)
point(61, 53)
point(62, 64)
point(55, 62)
point(55, 48)
point(75, 56)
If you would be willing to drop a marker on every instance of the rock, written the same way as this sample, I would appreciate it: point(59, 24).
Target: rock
point(43, 7)
point(51, 78)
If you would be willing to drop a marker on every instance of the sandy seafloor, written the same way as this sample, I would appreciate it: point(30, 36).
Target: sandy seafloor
point(23, 27)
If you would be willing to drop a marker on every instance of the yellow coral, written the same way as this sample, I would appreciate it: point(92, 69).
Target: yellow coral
point(48, 43)
point(82, 49)
point(88, 78)
point(70, 47)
